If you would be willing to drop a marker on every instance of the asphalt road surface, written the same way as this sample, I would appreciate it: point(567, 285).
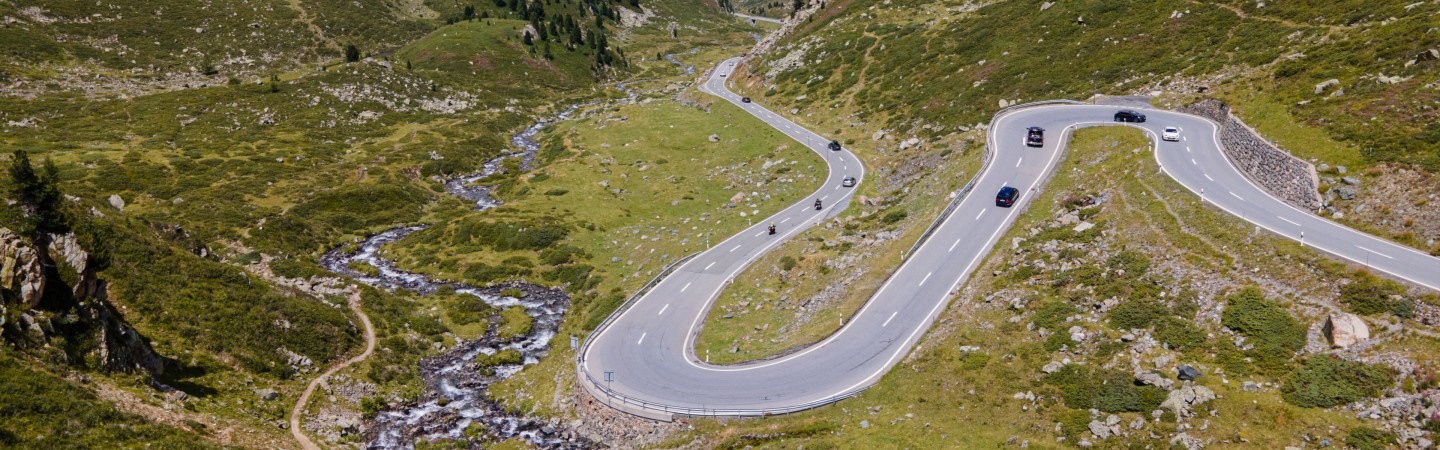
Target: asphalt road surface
point(648, 349)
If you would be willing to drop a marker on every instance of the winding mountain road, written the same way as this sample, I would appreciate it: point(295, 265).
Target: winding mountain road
point(643, 361)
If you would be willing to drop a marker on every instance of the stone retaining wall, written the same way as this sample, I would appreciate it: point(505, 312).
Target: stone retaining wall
point(1284, 176)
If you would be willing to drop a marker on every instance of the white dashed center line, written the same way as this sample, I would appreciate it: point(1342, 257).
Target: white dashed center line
point(1237, 196)
point(982, 212)
point(708, 266)
point(1207, 176)
point(687, 286)
point(787, 219)
point(1017, 162)
point(923, 280)
point(642, 338)
point(1192, 161)
point(1288, 220)
point(1375, 252)
point(952, 246)
point(741, 245)
point(887, 321)
point(662, 309)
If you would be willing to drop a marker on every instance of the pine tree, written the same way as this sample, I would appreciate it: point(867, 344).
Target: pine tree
point(528, 40)
point(352, 53)
point(38, 195)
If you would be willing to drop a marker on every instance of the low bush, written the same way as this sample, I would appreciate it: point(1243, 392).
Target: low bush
point(1366, 438)
point(787, 262)
point(1138, 313)
point(1275, 335)
point(1052, 314)
point(1326, 381)
point(1179, 334)
point(1110, 391)
point(1368, 295)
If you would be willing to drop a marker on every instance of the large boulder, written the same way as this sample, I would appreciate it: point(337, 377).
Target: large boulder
point(1345, 329)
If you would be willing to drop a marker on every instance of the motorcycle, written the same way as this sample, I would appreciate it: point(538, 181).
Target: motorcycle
point(817, 205)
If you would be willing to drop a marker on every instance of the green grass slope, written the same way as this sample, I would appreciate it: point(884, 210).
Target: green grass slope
point(910, 63)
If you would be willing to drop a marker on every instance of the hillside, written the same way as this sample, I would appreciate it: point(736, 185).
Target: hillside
point(1030, 345)
point(224, 147)
point(929, 69)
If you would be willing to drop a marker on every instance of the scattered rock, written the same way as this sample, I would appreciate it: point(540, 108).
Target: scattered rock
point(267, 394)
point(1350, 181)
point(714, 138)
point(1249, 386)
point(1187, 372)
point(117, 202)
point(1187, 442)
point(1345, 193)
point(1323, 85)
point(1154, 379)
point(864, 424)
point(1181, 401)
point(1052, 367)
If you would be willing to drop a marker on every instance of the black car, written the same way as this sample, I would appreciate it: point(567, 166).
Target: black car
point(745, 99)
point(835, 146)
point(1035, 137)
point(1007, 196)
point(1126, 115)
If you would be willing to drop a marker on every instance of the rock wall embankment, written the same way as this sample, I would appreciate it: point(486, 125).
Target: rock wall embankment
point(1284, 176)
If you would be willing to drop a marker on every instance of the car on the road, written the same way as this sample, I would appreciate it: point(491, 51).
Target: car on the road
point(848, 182)
point(1035, 137)
point(835, 146)
point(744, 99)
point(1170, 134)
point(1007, 197)
point(1126, 115)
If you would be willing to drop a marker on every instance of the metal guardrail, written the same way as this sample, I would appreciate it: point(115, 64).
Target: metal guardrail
point(717, 412)
point(984, 165)
point(580, 357)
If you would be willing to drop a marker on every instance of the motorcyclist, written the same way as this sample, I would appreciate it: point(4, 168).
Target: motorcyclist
point(817, 204)
point(772, 227)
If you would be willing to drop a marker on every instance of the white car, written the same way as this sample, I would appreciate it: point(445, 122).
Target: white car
point(1170, 134)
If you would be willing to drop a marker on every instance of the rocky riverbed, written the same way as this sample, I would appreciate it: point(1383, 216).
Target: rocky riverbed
point(455, 383)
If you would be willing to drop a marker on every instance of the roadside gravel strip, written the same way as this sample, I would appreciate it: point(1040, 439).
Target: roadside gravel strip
point(643, 362)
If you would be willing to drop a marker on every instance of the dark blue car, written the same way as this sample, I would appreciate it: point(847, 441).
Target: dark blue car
point(1007, 196)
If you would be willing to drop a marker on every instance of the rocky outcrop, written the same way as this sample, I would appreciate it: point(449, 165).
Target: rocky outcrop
point(1284, 176)
point(21, 275)
point(1345, 329)
point(81, 310)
